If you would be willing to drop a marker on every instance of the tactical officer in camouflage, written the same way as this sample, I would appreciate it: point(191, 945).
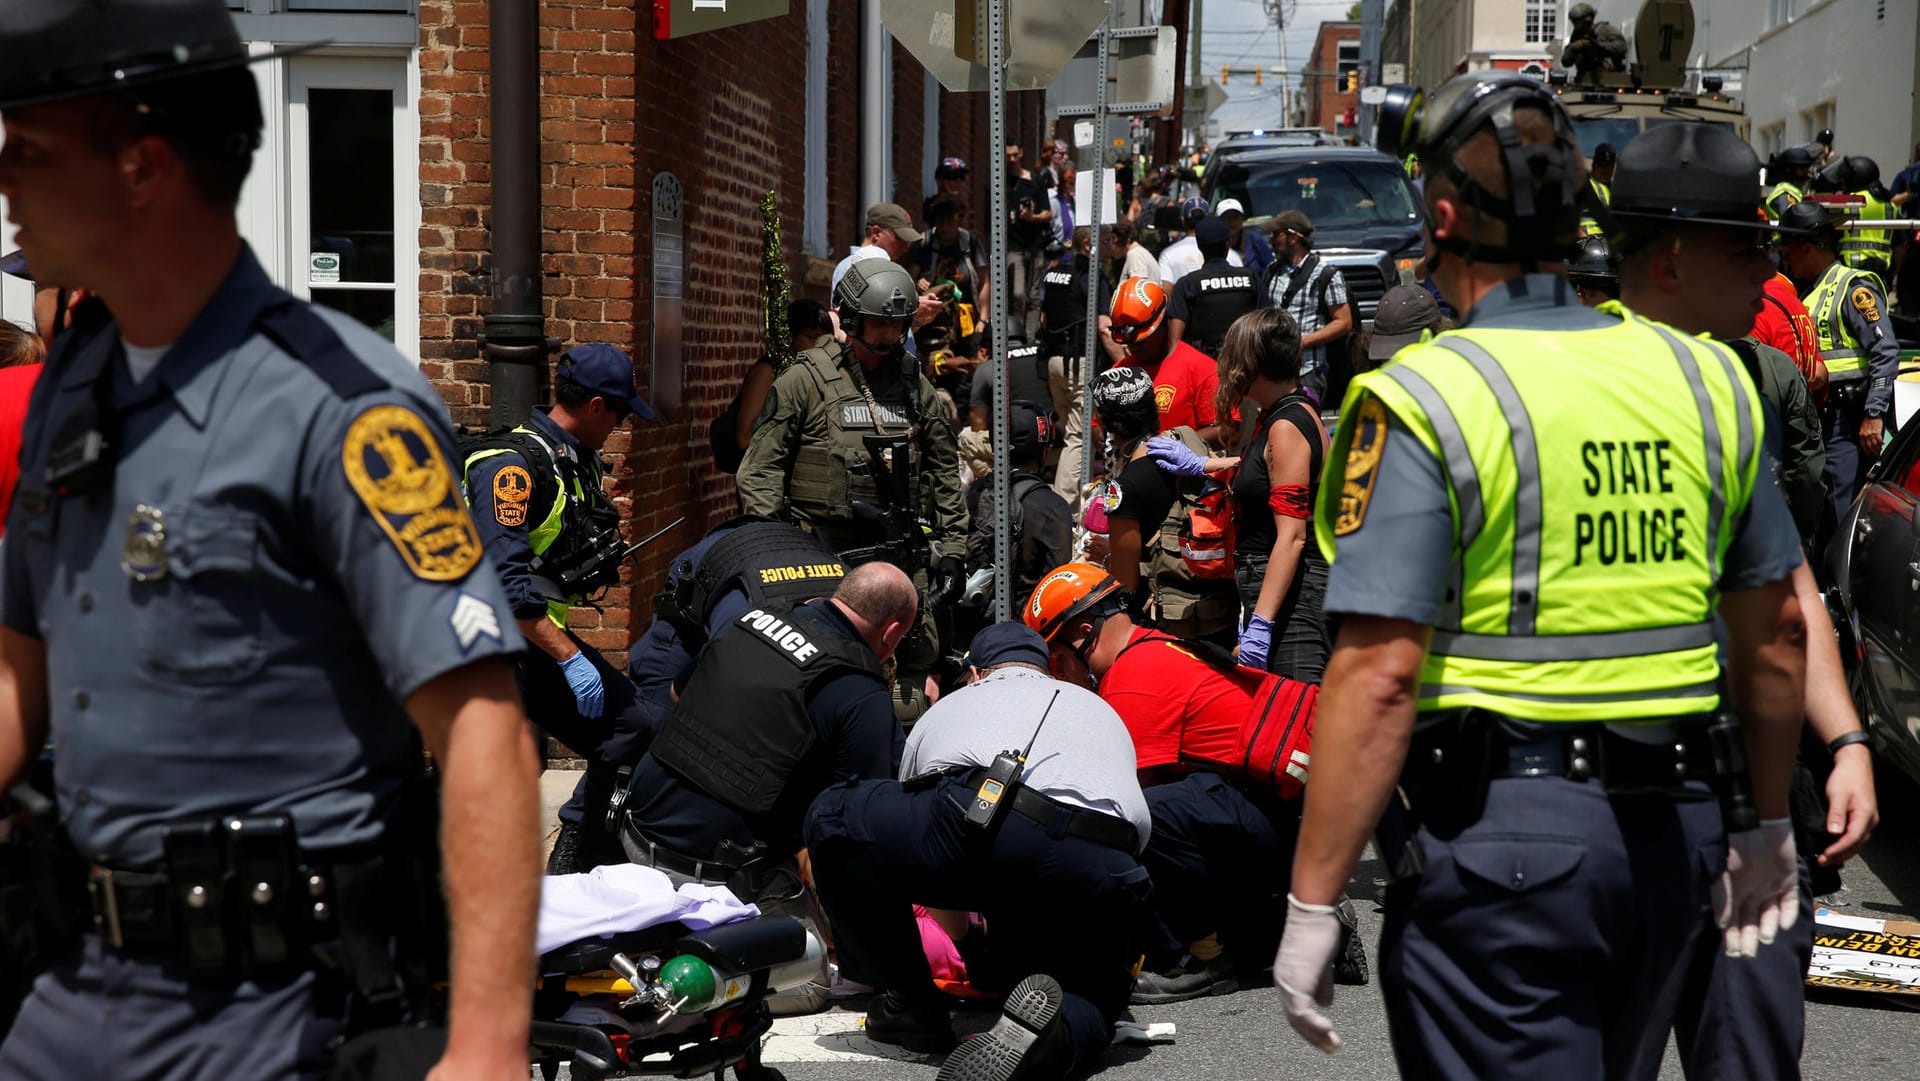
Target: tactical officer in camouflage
point(809, 460)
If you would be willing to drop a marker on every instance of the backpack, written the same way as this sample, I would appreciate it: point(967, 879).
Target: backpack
point(1190, 561)
point(1276, 734)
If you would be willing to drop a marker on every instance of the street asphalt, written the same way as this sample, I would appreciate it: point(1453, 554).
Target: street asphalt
point(1244, 1035)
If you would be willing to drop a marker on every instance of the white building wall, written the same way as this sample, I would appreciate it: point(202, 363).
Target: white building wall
point(1860, 55)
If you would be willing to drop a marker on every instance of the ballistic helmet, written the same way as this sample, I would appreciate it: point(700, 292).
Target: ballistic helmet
point(874, 289)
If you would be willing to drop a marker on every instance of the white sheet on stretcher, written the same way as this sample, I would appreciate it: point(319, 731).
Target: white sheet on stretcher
point(627, 897)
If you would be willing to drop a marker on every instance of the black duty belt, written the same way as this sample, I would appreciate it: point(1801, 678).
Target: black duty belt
point(1064, 820)
point(1657, 756)
point(748, 872)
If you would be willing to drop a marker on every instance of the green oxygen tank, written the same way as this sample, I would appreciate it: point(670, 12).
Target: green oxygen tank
point(688, 977)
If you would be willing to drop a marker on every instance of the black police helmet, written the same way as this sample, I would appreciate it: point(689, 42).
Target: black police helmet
point(1796, 157)
point(1541, 210)
point(1592, 262)
point(1806, 220)
point(1862, 172)
point(55, 50)
point(1698, 173)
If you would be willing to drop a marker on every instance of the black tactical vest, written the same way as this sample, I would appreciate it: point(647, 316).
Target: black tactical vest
point(1217, 294)
point(1027, 375)
point(740, 731)
point(777, 565)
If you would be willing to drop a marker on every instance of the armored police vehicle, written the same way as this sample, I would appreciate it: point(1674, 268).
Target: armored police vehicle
point(1651, 88)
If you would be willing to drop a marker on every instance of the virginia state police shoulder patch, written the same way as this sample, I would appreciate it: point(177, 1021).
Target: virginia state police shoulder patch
point(395, 466)
point(1865, 303)
point(1364, 447)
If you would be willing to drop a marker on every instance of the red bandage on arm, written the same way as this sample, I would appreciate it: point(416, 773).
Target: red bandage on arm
point(1290, 500)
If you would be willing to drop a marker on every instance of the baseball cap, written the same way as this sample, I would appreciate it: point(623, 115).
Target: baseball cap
point(1689, 173)
point(1230, 206)
point(1193, 209)
point(607, 371)
point(950, 169)
point(1292, 221)
point(1405, 311)
point(1007, 642)
point(890, 216)
point(1214, 230)
point(1604, 153)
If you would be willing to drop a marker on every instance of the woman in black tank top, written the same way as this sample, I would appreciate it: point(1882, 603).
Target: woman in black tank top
point(1277, 563)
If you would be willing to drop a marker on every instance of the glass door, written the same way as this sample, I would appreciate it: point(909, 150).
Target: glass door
point(353, 185)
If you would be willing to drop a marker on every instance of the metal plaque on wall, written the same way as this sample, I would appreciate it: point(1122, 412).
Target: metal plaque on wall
point(669, 286)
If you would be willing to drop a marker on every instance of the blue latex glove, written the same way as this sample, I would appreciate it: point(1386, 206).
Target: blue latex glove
point(1173, 456)
point(588, 692)
point(1255, 639)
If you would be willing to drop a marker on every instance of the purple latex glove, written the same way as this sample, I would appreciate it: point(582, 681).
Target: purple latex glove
point(1173, 456)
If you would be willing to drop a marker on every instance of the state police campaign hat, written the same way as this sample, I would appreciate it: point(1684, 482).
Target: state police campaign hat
point(54, 50)
point(1688, 173)
point(607, 371)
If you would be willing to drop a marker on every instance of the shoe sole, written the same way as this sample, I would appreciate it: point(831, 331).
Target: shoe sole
point(1218, 987)
point(996, 1054)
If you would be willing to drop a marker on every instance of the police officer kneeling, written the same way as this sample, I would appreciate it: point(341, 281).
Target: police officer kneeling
point(1542, 513)
point(554, 538)
point(781, 704)
point(1018, 801)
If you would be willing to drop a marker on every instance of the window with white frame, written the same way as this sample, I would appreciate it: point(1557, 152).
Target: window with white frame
point(1778, 11)
point(352, 191)
point(1542, 20)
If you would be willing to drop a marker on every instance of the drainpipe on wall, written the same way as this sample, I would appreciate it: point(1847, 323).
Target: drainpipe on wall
point(513, 335)
point(876, 111)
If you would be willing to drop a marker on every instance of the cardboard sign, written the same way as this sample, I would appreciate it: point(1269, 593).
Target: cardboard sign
point(1858, 953)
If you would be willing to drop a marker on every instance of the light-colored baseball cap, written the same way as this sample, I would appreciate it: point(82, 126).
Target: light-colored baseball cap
point(1230, 206)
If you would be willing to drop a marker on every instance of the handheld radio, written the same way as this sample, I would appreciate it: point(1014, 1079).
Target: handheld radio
point(993, 797)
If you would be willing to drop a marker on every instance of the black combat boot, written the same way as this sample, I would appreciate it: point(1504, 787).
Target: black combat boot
point(921, 1025)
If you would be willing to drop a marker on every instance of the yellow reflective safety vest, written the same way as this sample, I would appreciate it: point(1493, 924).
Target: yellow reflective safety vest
point(1782, 196)
point(1841, 352)
point(1594, 478)
point(1869, 249)
point(1589, 225)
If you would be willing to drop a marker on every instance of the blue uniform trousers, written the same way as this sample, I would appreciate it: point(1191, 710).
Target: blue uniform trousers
point(618, 737)
point(1219, 858)
point(1550, 937)
point(1745, 1018)
point(116, 1016)
point(1846, 467)
point(1064, 906)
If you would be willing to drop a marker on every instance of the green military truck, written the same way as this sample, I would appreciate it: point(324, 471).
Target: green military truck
point(1614, 99)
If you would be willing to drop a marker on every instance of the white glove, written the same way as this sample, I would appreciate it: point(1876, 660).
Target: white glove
point(1303, 971)
point(1759, 896)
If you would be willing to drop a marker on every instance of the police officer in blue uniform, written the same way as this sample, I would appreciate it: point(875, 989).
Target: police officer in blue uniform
point(1541, 753)
point(780, 704)
point(1207, 301)
point(553, 535)
point(238, 577)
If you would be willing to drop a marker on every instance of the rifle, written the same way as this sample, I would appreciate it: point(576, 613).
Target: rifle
point(903, 542)
point(597, 569)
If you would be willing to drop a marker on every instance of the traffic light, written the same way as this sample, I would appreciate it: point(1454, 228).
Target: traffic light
point(1353, 81)
point(1258, 74)
point(1224, 72)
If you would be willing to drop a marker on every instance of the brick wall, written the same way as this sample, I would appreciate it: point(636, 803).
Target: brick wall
point(724, 111)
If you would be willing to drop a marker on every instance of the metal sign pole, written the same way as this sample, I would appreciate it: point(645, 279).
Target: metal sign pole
point(1102, 180)
point(1003, 387)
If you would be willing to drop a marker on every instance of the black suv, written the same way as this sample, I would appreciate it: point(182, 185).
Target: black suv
point(1366, 215)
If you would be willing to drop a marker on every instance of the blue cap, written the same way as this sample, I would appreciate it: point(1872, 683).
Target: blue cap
point(1006, 643)
point(607, 371)
point(1214, 230)
point(15, 263)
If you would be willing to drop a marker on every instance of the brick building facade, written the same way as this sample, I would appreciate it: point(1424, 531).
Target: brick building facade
point(1325, 102)
point(725, 111)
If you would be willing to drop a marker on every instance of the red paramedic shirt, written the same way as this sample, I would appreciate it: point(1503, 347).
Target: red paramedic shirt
point(1177, 706)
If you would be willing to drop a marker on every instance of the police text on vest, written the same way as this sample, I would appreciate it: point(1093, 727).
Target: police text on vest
point(781, 634)
point(1635, 534)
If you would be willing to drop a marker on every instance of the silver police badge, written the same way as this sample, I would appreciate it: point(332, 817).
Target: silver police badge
point(144, 557)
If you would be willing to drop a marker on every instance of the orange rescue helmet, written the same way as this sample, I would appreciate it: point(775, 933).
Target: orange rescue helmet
point(1069, 591)
point(1139, 307)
